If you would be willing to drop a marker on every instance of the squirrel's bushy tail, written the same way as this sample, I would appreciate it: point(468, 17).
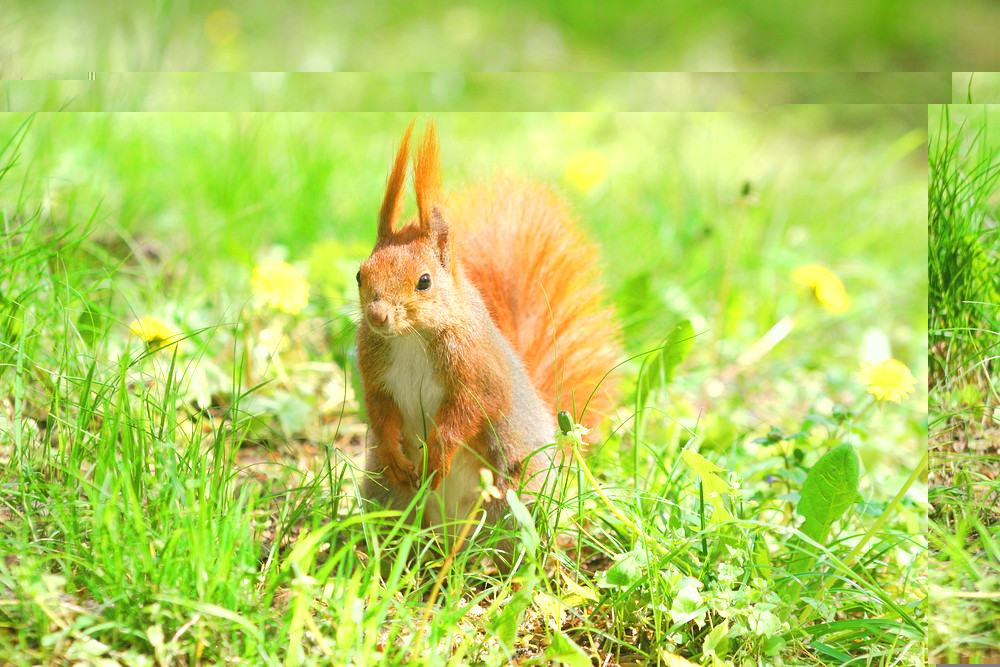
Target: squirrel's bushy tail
point(540, 279)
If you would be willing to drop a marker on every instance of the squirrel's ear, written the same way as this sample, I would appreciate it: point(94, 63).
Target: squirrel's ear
point(438, 233)
point(392, 204)
point(427, 182)
point(427, 179)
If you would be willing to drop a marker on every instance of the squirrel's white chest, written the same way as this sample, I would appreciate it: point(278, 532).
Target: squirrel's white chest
point(418, 393)
point(411, 381)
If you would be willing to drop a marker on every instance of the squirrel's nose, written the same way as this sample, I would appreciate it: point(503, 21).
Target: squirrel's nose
point(377, 316)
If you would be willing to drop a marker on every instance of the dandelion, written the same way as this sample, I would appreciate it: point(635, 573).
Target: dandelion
point(155, 332)
point(281, 286)
point(888, 380)
point(825, 285)
point(585, 170)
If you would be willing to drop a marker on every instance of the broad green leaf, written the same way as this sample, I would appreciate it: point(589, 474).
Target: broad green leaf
point(627, 570)
point(717, 641)
point(829, 491)
point(688, 604)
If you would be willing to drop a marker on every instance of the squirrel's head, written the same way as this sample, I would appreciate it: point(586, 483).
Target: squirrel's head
point(407, 282)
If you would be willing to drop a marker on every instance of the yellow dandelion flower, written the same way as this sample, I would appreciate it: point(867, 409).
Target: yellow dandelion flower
point(888, 380)
point(155, 332)
point(280, 286)
point(585, 170)
point(825, 285)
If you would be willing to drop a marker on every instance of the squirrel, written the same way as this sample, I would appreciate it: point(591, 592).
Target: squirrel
point(479, 320)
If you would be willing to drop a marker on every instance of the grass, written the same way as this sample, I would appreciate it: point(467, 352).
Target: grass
point(963, 298)
point(975, 87)
point(195, 502)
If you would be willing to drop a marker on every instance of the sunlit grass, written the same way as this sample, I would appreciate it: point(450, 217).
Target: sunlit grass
point(963, 313)
point(197, 500)
point(975, 87)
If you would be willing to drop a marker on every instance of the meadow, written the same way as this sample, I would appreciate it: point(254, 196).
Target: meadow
point(962, 311)
point(180, 458)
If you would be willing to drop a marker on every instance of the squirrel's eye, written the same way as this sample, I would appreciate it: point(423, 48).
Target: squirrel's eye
point(359, 278)
point(424, 283)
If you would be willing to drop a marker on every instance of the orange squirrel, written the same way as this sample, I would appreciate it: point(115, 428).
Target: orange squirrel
point(480, 321)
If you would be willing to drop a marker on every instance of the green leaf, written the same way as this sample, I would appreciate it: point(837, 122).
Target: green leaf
point(577, 595)
point(717, 641)
point(507, 623)
point(762, 622)
point(715, 487)
point(688, 605)
point(676, 349)
point(627, 570)
point(967, 395)
point(829, 491)
point(529, 535)
point(564, 651)
point(660, 366)
point(550, 608)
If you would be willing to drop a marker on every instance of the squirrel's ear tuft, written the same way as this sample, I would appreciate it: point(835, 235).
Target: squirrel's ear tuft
point(427, 178)
point(438, 233)
point(392, 204)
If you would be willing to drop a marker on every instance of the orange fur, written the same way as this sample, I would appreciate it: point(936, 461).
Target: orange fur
point(392, 203)
point(427, 176)
point(541, 282)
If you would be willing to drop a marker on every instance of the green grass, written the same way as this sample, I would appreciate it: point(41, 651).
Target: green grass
point(975, 87)
point(963, 314)
point(197, 503)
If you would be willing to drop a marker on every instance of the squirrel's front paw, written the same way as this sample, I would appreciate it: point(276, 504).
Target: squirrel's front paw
point(401, 471)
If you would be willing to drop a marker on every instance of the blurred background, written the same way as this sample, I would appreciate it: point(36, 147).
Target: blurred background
point(53, 39)
point(458, 91)
point(975, 87)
